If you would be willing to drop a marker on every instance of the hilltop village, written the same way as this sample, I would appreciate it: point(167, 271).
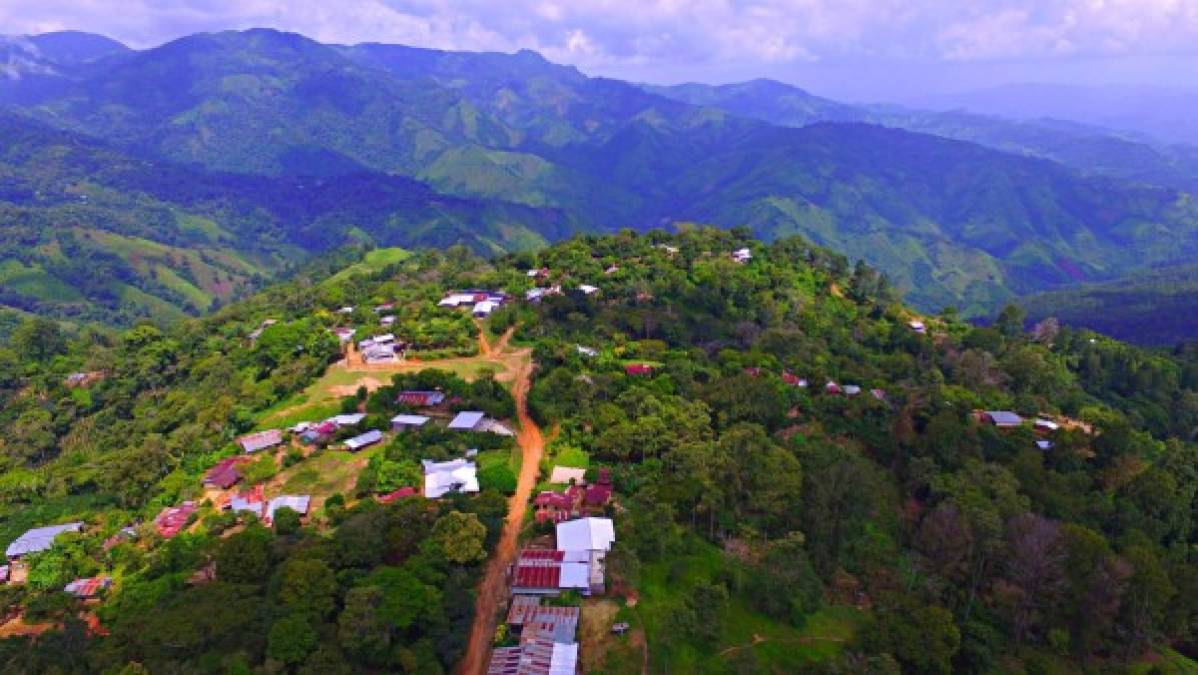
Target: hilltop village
point(682, 453)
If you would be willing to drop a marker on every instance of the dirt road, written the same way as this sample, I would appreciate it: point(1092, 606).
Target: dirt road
point(493, 589)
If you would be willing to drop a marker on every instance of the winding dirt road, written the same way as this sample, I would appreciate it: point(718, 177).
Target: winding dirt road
point(493, 589)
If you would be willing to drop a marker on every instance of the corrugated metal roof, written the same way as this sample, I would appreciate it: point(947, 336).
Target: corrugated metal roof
point(410, 420)
point(39, 539)
point(260, 440)
point(586, 534)
point(362, 440)
point(466, 421)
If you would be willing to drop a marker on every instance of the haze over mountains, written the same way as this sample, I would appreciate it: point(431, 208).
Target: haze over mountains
point(400, 145)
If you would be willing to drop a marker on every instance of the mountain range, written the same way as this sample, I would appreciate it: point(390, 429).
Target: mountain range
point(296, 147)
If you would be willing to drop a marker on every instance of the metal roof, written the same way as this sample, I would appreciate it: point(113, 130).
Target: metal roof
point(362, 440)
point(39, 539)
point(586, 534)
point(466, 420)
point(261, 440)
point(1004, 418)
point(410, 420)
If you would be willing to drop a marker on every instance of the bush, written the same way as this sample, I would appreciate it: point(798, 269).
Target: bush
point(498, 477)
point(287, 521)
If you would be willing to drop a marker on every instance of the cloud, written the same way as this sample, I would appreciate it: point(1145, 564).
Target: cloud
point(617, 35)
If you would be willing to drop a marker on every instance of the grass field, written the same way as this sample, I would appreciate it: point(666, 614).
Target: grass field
point(323, 474)
point(374, 261)
point(778, 647)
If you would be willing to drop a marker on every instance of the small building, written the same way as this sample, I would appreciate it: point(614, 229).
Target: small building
point(587, 351)
point(742, 255)
point(549, 572)
point(89, 587)
point(638, 369)
point(261, 441)
point(365, 440)
point(442, 478)
point(471, 420)
point(522, 607)
point(347, 419)
point(588, 289)
point(1003, 419)
point(555, 507)
point(851, 390)
point(173, 519)
point(385, 307)
point(793, 380)
point(598, 494)
point(318, 433)
point(484, 308)
point(538, 273)
point(879, 394)
point(387, 321)
point(420, 399)
point(1046, 426)
point(38, 539)
point(224, 475)
point(297, 503)
point(587, 540)
point(832, 388)
point(407, 422)
point(917, 326)
point(567, 474)
point(753, 371)
point(344, 334)
point(1044, 445)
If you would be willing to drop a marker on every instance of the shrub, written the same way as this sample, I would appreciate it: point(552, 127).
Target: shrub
point(498, 477)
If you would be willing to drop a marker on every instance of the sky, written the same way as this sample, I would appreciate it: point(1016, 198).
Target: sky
point(897, 50)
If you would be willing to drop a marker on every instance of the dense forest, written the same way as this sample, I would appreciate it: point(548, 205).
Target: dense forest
point(803, 477)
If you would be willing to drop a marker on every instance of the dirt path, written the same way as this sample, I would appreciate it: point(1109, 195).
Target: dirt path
point(493, 589)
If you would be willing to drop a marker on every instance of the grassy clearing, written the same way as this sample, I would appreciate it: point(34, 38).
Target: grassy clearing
point(779, 647)
point(572, 457)
point(374, 261)
point(323, 474)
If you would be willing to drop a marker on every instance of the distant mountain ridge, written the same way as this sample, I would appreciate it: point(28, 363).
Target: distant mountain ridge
point(951, 222)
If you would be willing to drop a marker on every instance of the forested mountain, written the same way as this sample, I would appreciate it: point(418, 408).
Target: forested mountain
point(803, 481)
point(92, 233)
point(952, 223)
point(1088, 149)
point(1157, 308)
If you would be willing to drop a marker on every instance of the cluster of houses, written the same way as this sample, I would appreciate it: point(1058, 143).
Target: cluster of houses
point(41, 539)
point(547, 642)
point(482, 302)
point(1041, 424)
point(577, 500)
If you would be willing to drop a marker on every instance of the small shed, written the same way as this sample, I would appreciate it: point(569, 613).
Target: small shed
point(471, 420)
point(1004, 419)
point(364, 440)
point(261, 440)
point(406, 422)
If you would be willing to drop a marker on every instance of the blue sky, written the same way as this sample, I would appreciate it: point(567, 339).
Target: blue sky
point(855, 49)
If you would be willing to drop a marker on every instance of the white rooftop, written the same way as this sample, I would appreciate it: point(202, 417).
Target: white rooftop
point(564, 474)
point(297, 503)
point(586, 534)
point(347, 420)
point(39, 539)
point(410, 420)
point(441, 478)
point(565, 658)
point(466, 420)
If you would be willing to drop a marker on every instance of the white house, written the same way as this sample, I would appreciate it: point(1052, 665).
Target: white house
point(441, 478)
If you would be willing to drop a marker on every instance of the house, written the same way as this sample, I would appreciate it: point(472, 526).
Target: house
point(598, 494)
point(38, 539)
point(348, 309)
point(456, 300)
point(555, 507)
point(559, 624)
point(495, 427)
point(1044, 445)
point(538, 274)
point(549, 572)
point(587, 540)
point(406, 422)
point(879, 394)
point(363, 440)
point(318, 432)
point(832, 388)
point(588, 289)
point(420, 399)
point(792, 379)
point(1046, 426)
point(88, 588)
point(638, 369)
point(484, 308)
point(261, 440)
point(567, 474)
point(379, 349)
point(468, 421)
point(297, 503)
point(1003, 419)
point(917, 326)
point(173, 519)
point(347, 419)
point(535, 657)
point(522, 607)
point(344, 335)
point(401, 493)
point(385, 307)
point(587, 351)
point(753, 371)
point(224, 475)
point(612, 270)
point(742, 255)
point(441, 478)
point(387, 321)
point(851, 390)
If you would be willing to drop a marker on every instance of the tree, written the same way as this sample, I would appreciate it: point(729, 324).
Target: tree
point(245, 556)
point(307, 586)
point(460, 536)
point(39, 339)
point(360, 627)
point(923, 638)
point(287, 521)
point(291, 639)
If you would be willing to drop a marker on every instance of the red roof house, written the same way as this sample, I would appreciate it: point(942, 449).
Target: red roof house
point(224, 475)
point(791, 379)
point(401, 493)
point(638, 369)
point(173, 519)
point(554, 507)
point(599, 494)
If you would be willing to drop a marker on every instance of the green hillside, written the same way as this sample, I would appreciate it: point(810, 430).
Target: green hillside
point(868, 521)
